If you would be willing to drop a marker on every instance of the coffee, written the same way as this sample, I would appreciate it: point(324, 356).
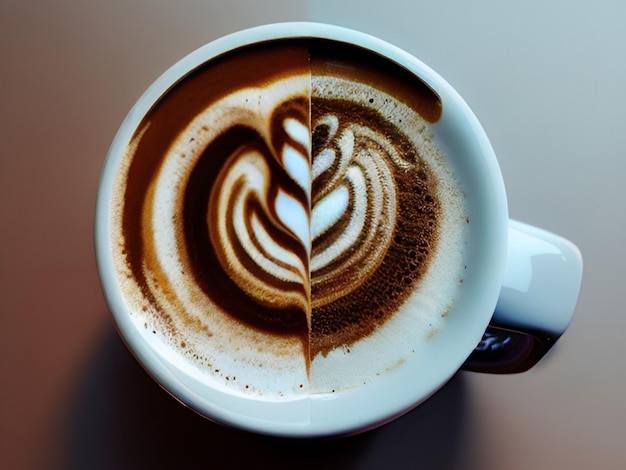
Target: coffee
point(283, 222)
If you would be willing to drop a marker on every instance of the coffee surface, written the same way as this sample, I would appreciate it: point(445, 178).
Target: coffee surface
point(284, 222)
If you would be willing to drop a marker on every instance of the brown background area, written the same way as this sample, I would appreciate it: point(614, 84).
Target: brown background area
point(545, 78)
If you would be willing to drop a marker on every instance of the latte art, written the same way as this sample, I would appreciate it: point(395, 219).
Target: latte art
point(258, 211)
point(354, 207)
point(286, 221)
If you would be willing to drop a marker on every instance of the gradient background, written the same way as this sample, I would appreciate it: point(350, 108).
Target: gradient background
point(545, 77)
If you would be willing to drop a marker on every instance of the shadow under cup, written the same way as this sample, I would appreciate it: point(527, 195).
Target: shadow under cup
point(352, 406)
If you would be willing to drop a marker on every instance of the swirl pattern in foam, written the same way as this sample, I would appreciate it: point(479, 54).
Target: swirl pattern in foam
point(291, 212)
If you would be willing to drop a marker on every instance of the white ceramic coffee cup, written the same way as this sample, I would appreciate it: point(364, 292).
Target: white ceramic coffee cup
point(502, 273)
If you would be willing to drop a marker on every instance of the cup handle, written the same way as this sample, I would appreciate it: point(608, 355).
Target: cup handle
point(539, 293)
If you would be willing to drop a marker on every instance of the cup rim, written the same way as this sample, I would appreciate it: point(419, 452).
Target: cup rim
point(350, 411)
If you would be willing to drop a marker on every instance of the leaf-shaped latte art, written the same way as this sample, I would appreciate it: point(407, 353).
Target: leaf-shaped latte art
point(258, 219)
point(235, 174)
point(271, 216)
point(354, 211)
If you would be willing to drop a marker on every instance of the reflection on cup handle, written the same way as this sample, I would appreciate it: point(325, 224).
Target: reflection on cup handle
point(537, 302)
